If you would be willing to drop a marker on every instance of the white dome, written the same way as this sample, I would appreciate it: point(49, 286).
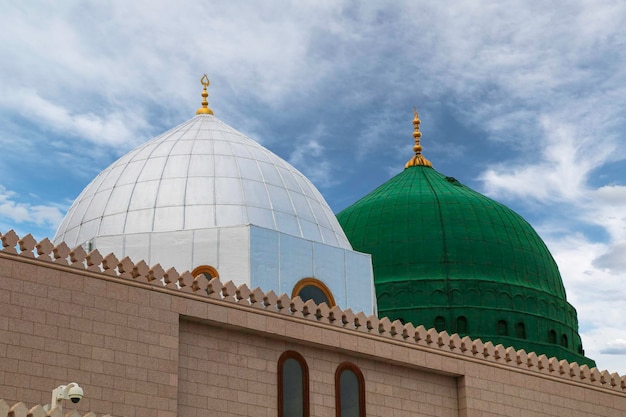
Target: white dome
point(201, 174)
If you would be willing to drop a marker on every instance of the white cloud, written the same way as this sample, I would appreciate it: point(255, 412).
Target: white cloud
point(555, 169)
point(615, 347)
point(613, 260)
point(18, 212)
point(113, 129)
point(608, 204)
point(311, 159)
point(597, 295)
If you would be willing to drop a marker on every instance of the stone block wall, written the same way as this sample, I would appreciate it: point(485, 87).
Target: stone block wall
point(145, 341)
point(232, 373)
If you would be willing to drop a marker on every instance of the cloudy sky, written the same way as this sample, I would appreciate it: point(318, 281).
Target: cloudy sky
point(521, 100)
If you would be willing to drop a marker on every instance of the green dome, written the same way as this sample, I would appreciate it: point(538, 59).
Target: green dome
point(448, 257)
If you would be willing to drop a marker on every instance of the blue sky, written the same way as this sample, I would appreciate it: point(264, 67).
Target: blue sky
point(523, 101)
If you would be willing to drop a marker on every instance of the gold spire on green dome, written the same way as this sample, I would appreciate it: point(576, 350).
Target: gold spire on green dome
point(418, 159)
point(205, 104)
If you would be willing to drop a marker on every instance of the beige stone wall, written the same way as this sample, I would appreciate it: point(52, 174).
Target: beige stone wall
point(143, 341)
point(225, 372)
point(234, 373)
point(119, 342)
point(493, 391)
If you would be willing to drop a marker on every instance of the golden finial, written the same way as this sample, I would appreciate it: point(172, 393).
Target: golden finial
point(418, 159)
point(205, 104)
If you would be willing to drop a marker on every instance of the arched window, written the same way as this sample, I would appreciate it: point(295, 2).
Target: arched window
point(503, 328)
point(313, 289)
point(564, 341)
point(349, 391)
point(440, 323)
point(461, 324)
point(208, 271)
point(293, 385)
point(520, 330)
point(551, 336)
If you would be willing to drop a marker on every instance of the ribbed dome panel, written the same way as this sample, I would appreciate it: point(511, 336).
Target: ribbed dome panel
point(200, 174)
point(446, 256)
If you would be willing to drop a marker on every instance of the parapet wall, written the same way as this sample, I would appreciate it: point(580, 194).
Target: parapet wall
point(185, 283)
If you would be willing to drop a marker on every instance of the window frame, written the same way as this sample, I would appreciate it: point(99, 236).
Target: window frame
point(314, 282)
point(349, 366)
point(205, 269)
point(292, 354)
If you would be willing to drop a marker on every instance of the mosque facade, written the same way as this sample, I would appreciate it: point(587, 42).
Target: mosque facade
point(424, 298)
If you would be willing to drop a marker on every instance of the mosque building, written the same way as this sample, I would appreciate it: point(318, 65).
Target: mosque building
point(201, 274)
point(231, 207)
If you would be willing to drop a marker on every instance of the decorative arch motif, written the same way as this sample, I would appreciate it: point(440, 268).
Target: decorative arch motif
point(489, 297)
point(505, 300)
point(293, 385)
point(438, 297)
point(383, 297)
point(349, 391)
point(456, 297)
point(206, 270)
point(473, 294)
point(313, 289)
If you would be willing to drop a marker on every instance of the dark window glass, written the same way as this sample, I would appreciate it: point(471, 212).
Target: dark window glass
point(552, 336)
point(461, 324)
point(502, 328)
point(564, 341)
point(520, 330)
point(311, 292)
point(349, 391)
point(293, 389)
point(440, 323)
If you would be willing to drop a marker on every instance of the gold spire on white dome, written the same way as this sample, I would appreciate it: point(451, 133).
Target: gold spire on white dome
point(205, 103)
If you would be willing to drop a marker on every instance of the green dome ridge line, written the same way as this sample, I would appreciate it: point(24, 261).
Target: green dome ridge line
point(445, 255)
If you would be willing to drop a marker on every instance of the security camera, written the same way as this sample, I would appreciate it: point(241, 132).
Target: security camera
point(75, 393)
point(71, 391)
